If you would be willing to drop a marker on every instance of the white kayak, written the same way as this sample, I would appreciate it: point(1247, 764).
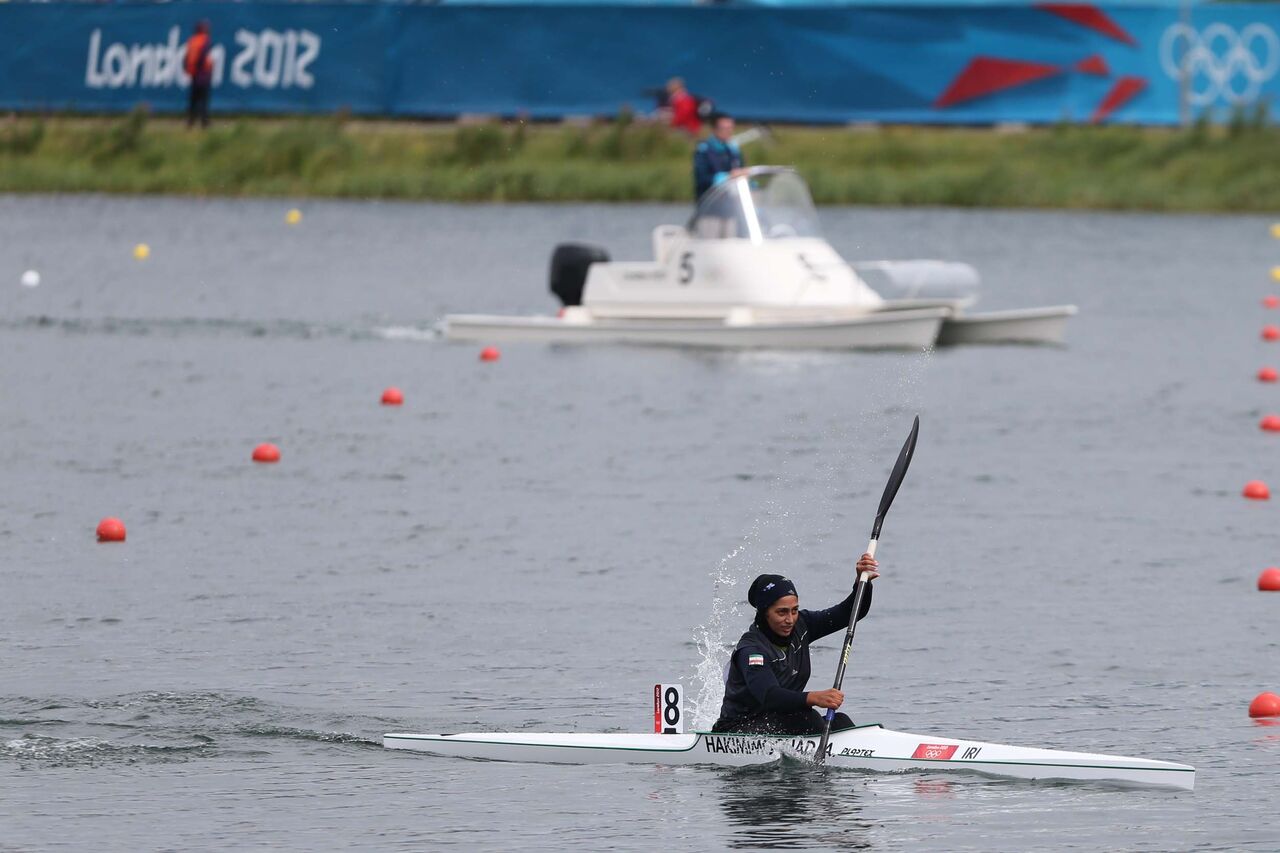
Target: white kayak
point(913, 329)
point(868, 747)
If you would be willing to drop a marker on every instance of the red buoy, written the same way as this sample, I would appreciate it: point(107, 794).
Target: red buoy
point(1257, 490)
point(392, 397)
point(1270, 423)
point(490, 354)
point(1265, 705)
point(111, 530)
point(1271, 302)
point(266, 453)
point(1269, 580)
point(1270, 333)
point(1268, 374)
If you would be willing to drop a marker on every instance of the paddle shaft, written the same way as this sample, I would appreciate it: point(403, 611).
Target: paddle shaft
point(858, 589)
point(896, 476)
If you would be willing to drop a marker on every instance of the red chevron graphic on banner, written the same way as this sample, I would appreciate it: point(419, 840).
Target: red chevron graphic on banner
point(1125, 89)
point(1088, 15)
point(987, 74)
point(1093, 65)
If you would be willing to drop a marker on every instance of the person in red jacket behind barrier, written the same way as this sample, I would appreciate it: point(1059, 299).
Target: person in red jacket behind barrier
point(199, 67)
point(684, 107)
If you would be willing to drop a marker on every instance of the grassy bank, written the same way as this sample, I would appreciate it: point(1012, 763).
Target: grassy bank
point(1201, 168)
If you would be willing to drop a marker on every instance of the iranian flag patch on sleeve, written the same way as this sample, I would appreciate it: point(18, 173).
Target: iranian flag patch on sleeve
point(755, 660)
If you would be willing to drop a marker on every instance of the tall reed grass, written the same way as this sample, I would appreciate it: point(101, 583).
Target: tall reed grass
point(1212, 168)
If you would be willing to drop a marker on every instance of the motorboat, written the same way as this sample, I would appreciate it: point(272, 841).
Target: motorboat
point(752, 269)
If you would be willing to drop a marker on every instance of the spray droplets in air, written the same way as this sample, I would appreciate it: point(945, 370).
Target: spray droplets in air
point(730, 614)
point(715, 638)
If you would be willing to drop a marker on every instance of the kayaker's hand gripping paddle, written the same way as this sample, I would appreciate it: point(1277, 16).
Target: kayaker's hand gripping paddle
point(890, 492)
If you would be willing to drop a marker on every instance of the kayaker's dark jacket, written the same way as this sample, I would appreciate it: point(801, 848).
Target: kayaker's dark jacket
point(767, 677)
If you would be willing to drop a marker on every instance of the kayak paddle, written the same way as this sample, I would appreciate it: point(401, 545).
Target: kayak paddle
point(886, 500)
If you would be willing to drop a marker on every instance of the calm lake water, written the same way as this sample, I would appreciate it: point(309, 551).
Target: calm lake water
point(533, 543)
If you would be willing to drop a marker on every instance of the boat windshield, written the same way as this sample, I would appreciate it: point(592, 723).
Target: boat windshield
point(765, 204)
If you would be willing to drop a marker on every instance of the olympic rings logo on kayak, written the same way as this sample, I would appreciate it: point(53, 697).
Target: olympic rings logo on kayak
point(1232, 65)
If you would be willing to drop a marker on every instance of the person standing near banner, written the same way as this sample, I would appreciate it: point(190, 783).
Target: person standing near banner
point(199, 67)
point(684, 108)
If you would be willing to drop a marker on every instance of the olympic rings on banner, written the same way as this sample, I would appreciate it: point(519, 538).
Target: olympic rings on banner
point(1219, 62)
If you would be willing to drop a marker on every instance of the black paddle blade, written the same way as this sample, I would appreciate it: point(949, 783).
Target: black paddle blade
point(896, 477)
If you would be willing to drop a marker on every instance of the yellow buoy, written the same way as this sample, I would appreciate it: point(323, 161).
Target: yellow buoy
point(142, 251)
point(1275, 230)
point(1275, 273)
point(293, 217)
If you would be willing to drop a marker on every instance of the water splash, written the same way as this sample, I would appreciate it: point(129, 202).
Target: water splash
point(187, 327)
point(730, 615)
point(408, 333)
point(84, 751)
point(158, 726)
point(715, 640)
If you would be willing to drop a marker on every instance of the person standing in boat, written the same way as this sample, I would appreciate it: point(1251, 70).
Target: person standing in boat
point(717, 158)
point(769, 669)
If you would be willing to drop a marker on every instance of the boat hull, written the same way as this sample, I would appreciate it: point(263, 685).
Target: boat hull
point(913, 329)
point(870, 747)
point(1022, 326)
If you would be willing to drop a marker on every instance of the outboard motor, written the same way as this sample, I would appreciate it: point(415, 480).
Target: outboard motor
point(569, 264)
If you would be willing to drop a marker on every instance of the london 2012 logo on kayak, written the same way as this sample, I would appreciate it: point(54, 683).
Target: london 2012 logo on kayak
point(935, 751)
point(1220, 63)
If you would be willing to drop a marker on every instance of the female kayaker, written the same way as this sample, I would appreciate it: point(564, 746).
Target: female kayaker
point(769, 668)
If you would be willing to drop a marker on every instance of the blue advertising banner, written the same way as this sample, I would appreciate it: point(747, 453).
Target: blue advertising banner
point(955, 64)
